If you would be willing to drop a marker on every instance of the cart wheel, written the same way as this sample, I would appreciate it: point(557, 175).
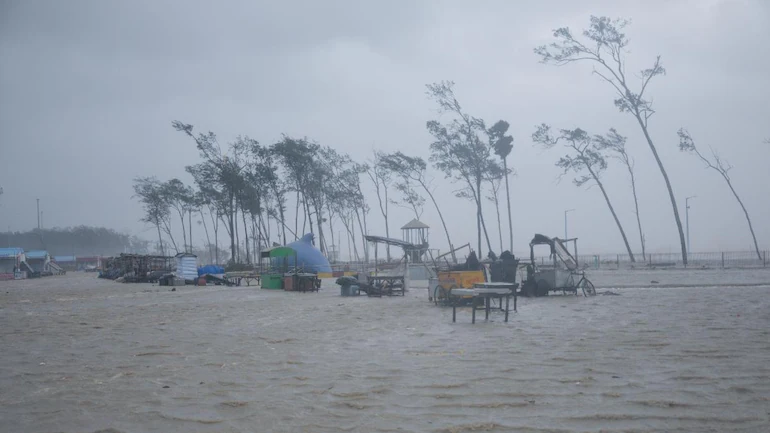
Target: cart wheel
point(440, 295)
point(542, 288)
point(588, 287)
point(528, 289)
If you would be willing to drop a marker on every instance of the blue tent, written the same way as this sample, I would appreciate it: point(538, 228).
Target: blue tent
point(308, 257)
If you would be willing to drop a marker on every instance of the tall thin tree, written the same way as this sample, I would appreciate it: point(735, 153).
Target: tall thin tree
point(415, 169)
point(721, 166)
point(584, 156)
point(616, 144)
point(503, 145)
point(605, 47)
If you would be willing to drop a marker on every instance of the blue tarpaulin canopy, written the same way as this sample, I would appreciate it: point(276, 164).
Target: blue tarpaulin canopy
point(309, 257)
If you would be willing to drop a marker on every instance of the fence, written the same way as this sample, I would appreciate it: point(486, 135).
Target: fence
point(723, 260)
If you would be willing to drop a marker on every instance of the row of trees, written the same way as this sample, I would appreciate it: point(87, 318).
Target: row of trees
point(247, 187)
point(80, 241)
point(603, 45)
point(250, 185)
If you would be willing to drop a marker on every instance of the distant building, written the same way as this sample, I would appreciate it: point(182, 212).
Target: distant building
point(68, 263)
point(90, 263)
point(38, 261)
point(10, 262)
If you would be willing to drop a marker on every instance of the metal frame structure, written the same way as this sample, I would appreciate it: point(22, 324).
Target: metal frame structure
point(541, 281)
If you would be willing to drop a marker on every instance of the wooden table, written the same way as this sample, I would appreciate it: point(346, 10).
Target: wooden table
point(486, 292)
point(388, 285)
point(235, 278)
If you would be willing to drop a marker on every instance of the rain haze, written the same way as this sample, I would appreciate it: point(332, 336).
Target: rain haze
point(117, 315)
point(89, 90)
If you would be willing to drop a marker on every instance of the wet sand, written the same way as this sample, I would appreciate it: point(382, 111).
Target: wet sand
point(87, 355)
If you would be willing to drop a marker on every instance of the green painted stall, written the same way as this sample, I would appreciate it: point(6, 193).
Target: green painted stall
point(277, 266)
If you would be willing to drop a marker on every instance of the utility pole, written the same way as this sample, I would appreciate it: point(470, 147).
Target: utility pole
point(687, 218)
point(38, 214)
point(565, 222)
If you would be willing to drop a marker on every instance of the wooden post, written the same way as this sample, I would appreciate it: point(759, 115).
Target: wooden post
point(618, 260)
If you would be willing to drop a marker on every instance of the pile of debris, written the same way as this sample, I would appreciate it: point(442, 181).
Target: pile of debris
point(137, 268)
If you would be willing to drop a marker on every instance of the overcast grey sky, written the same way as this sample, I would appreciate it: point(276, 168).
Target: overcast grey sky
point(88, 90)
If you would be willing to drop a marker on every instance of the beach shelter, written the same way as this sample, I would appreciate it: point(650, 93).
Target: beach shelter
point(186, 266)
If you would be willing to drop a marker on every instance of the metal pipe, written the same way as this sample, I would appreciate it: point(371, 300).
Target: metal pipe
point(687, 219)
point(565, 222)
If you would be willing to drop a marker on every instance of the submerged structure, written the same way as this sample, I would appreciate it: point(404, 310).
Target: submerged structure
point(10, 262)
point(39, 262)
point(416, 232)
point(307, 257)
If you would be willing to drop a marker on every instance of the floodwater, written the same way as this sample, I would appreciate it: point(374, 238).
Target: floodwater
point(87, 355)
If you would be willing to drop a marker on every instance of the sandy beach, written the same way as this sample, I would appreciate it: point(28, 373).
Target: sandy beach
point(86, 355)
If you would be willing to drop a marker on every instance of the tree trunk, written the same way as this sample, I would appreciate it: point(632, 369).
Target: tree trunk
point(237, 233)
point(682, 241)
point(184, 232)
point(612, 210)
point(282, 213)
point(246, 236)
point(189, 227)
point(441, 217)
point(319, 220)
point(167, 229)
point(215, 226)
point(508, 198)
point(265, 233)
point(385, 215)
point(636, 206)
point(362, 227)
point(331, 230)
point(296, 219)
point(231, 224)
point(208, 239)
point(499, 224)
point(160, 239)
point(482, 224)
point(745, 212)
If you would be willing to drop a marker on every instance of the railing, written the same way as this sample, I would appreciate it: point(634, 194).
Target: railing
point(719, 260)
point(714, 260)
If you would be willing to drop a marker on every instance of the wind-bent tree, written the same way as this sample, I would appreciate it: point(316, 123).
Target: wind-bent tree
point(210, 198)
point(503, 145)
point(179, 197)
point(267, 171)
point(687, 144)
point(415, 169)
point(458, 150)
point(225, 170)
point(296, 156)
point(200, 202)
point(410, 198)
point(494, 186)
point(604, 45)
point(616, 144)
point(362, 208)
point(584, 156)
point(150, 192)
point(382, 180)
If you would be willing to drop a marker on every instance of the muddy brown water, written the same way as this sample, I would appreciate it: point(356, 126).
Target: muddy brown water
point(87, 355)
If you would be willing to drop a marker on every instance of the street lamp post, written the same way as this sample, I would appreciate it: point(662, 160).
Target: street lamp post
point(565, 222)
point(687, 219)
